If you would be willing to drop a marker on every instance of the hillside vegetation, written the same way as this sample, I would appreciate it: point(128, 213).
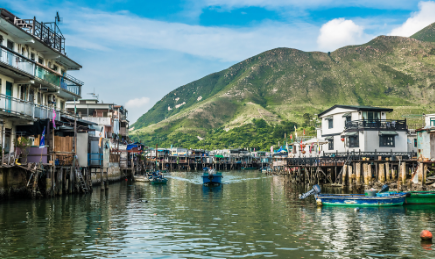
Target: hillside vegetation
point(281, 85)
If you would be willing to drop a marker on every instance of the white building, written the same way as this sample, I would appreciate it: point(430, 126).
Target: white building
point(365, 128)
point(33, 74)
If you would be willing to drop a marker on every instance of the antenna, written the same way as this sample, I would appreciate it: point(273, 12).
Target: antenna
point(58, 19)
point(94, 94)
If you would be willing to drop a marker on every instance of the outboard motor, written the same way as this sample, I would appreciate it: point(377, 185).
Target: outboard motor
point(316, 190)
point(385, 188)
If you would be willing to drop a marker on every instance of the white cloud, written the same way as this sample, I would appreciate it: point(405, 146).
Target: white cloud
point(137, 102)
point(340, 32)
point(417, 21)
point(91, 29)
point(310, 4)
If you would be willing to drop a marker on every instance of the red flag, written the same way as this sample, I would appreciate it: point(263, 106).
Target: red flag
point(304, 132)
point(291, 136)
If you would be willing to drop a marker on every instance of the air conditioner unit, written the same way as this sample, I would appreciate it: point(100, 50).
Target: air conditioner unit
point(32, 141)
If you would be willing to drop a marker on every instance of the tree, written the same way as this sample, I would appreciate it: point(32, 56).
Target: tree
point(306, 117)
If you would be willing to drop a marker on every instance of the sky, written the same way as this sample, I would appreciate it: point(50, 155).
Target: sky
point(135, 52)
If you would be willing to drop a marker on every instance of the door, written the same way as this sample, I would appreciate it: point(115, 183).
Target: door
point(8, 100)
point(10, 45)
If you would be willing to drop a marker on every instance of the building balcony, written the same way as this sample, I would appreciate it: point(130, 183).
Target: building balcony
point(10, 106)
point(123, 131)
point(30, 69)
point(376, 124)
point(99, 120)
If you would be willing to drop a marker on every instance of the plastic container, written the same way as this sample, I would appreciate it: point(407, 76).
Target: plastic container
point(370, 193)
point(386, 194)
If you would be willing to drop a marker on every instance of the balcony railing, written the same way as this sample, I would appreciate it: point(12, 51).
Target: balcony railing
point(377, 124)
point(48, 33)
point(18, 107)
point(13, 60)
point(67, 82)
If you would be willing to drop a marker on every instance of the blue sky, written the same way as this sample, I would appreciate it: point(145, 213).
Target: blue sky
point(135, 52)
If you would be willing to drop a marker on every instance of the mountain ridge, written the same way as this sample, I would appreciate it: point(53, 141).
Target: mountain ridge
point(282, 84)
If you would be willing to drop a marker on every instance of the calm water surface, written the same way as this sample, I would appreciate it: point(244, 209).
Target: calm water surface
point(250, 216)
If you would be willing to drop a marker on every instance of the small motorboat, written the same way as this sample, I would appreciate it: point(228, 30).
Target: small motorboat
point(141, 178)
point(266, 170)
point(382, 199)
point(211, 177)
point(157, 178)
point(419, 197)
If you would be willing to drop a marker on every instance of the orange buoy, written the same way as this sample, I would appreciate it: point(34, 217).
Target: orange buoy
point(426, 235)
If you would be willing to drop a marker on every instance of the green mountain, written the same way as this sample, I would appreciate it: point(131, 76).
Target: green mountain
point(287, 86)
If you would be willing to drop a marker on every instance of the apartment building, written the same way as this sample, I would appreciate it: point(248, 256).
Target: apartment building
point(353, 128)
point(34, 80)
point(111, 118)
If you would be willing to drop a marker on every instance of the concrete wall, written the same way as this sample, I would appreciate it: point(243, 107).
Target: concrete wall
point(337, 115)
point(424, 145)
point(12, 182)
point(82, 149)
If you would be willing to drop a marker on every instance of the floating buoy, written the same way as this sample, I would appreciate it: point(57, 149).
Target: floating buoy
point(319, 202)
point(357, 209)
point(425, 235)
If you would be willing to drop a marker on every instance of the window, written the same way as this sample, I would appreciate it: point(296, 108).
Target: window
point(32, 56)
point(432, 122)
point(331, 144)
point(23, 92)
point(353, 141)
point(415, 142)
point(330, 123)
point(371, 116)
point(10, 45)
point(387, 141)
point(54, 67)
point(348, 118)
point(40, 60)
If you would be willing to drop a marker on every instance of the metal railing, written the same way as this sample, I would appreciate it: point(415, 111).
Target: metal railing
point(9, 58)
point(67, 82)
point(377, 124)
point(49, 34)
point(15, 106)
point(95, 159)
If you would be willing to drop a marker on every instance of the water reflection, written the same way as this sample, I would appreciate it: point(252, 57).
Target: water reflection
point(250, 215)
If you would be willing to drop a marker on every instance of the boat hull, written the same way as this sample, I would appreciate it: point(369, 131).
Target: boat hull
point(159, 181)
point(420, 198)
point(215, 180)
point(359, 200)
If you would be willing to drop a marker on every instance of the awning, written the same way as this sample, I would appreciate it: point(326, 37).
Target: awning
point(388, 133)
point(328, 118)
point(219, 156)
point(352, 133)
point(329, 138)
point(347, 114)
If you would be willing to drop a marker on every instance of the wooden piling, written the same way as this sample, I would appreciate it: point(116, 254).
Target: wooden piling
point(350, 175)
point(387, 172)
point(366, 174)
point(393, 173)
point(381, 173)
point(343, 175)
point(403, 173)
point(420, 170)
point(358, 173)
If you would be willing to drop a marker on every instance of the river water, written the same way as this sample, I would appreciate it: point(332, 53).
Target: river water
point(250, 216)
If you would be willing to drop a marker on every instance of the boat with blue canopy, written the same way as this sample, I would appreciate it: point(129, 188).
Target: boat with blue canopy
point(211, 177)
point(157, 178)
point(381, 199)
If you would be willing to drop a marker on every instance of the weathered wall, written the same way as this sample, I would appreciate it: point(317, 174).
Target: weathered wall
point(112, 173)
point(12, 182)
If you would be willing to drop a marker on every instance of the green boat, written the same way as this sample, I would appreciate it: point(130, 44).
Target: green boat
point(158, 181)
point(420, 197)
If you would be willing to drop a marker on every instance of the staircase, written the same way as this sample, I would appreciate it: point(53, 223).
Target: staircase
point(82, 182)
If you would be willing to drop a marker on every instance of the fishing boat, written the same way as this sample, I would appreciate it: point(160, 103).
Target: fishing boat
point(211, 177)
point(382, 199)
point(266, 170)
point(419, 197)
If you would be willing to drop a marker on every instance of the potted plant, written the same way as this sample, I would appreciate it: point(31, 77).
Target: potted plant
point(22, 144)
